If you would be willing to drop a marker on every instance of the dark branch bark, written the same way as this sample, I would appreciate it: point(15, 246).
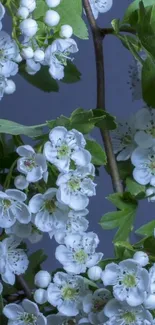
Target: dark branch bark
point(125, 29)
point(98, 38)
point(24, 286)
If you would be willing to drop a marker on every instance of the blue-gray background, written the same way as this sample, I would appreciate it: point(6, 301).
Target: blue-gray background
point(29, 106)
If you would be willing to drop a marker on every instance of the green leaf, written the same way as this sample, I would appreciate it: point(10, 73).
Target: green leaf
point(115, 24)
point(70, 13)
point(125, 168)
point(130, 40)
point(35, 261)
point(72, 74)
point(107, 261)
point(98, 155)
point(90, 283)
point(146, 28)
point(146, 230)
point(60, 121)
point(84, 121)
point(135, 189)
point(122, 219)
point(42, 79)
point(148, 81)
point(106, 123)
point(10, 127)
point(149, 245)
point(134, 7)
point(123, 250)
point(41, 8)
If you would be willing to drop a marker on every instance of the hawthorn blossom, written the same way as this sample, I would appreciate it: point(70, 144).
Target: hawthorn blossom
point(48, 212)
point(93, 305)
point(149, 302)
point(66, 293)
point(28, 231)
point(123, 139)
point(129, 280)
point(31, 164)
point(145, 123)
point(75, 187)
point(135, 70)
point(13, 259)
point(79, 252)
point(75, 223)
point(2, 13)
point(150, 193)
point(124, 314)
point(12, 208)
point(100, 6)
point(24, 314)
point(144, 162)
point(66, 146)
point(9, 52)
point(59, 319)
point(57, 54)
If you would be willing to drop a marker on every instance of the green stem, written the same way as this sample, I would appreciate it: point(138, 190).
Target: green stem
point(110, 31)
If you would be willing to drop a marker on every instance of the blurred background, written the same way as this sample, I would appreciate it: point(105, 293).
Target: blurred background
point(29, 106)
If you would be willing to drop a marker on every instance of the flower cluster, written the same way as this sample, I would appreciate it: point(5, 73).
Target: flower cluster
point(100, 6)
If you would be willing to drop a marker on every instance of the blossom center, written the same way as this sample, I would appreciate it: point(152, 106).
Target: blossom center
point(28, 319)
point(129, 280)
point(74, 184)
point(80, 256)
point(69, 322)
point(30, 164)
point(6, 203)
point(127, 139)
point(129, 318)
point(98, 305)
point(69, 293)
point(152, 131)
point(50, 206)
point(62, 57)
point(63, 151)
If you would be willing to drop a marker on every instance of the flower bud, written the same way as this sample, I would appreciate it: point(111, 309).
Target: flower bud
point(10, 88)
point(66, 31)
point(141, 258)
point(42, 279)
point(150, 191)
point(94, 273)
point(27, 53)
point(20, 182)
point(23, 12)
point(53, 3)
point(28, 27)
point(52, 18)
point(40, 296)
point(18, 58)
point(39, 55)
point(29, 4)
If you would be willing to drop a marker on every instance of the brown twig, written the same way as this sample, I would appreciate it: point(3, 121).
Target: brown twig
point(98, 46)
point(110, 31)
point(24, 286)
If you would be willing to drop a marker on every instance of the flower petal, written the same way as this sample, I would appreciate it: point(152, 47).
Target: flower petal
point(12, 311)
point(30, 307)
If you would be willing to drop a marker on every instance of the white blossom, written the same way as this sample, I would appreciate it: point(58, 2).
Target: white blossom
point(123, 139)
point(10, 87)
point(23, 12)
point(12, 208)
point(66, 293)
point(141, 258)
point(73, 223)
point(32, 164)
point(79, 252)
point(59, 319)
point(29, 4)
point(40, 296)
point(9, 51)
point(51, 18)
point(145, 123)
point(66, 31)
point(28, 27)
point(57, 54)
point(135, 70)
point(144, 162)
point(93, 305)
point(49, 213)
point(39, 55)
point(42, 279)
point(150, 193)
point(129, 280)
point(32, 67)
point(24, 314)
point(20, 182)
point(2, 13)
point(124, 314)
point(27, 52)
point(53, 3)
point(94, 273)
point(13, 260)
point(149, 302)
point(66, 146)
point(100, 6)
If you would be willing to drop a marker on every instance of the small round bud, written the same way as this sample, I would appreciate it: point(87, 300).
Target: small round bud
point(53, 3)
point(20, 182)
point(23, 12)
point(52, 18)
point(10, 88)
point(28, 27)
point(94, 273)
point(42, 279)
point(150, 191)
point(39, 55)
point(29, 4)
point(66, 31)
point(141, 258)
point(40, 296)
point(18, 58)
point(27, 53)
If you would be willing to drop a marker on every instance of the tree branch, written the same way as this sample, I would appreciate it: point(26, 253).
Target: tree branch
point(24, 286)
point(125, 29)
point(97, 38)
